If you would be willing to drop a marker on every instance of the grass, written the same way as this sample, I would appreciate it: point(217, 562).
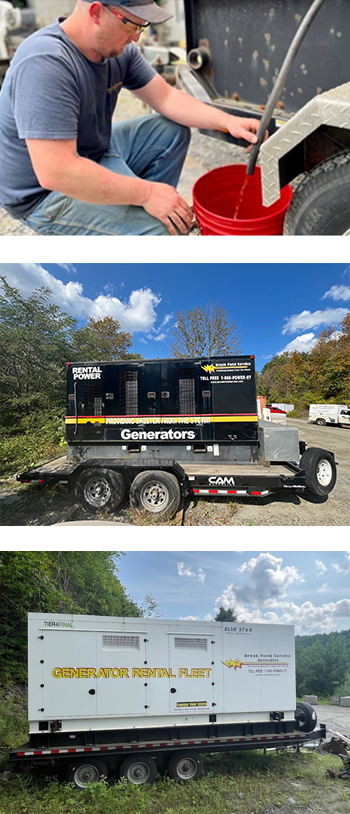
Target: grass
point(241, 783)
point(35, 439)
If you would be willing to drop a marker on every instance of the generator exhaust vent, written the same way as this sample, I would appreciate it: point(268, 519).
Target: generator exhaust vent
point(110, 642)
point(182, 643)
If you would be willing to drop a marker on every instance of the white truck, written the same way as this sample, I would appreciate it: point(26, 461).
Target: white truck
point(131, 696)
point(323, 414)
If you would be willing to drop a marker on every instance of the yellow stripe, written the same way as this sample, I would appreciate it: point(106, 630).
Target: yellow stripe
point(164, 420)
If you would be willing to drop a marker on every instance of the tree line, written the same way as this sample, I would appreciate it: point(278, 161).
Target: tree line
point(83, 582)
point(322, 375)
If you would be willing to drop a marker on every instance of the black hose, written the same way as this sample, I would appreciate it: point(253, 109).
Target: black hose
point(282, 76)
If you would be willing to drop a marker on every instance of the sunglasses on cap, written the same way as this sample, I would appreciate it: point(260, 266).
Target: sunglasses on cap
point(128, 25)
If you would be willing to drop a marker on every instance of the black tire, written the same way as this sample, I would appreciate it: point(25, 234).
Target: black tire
point(139, 770)
point(100, 489)
point(321, 203)
point(321, 422)
point(185, 766)
point(320, 470)
point(305, 717)
point(84, 772)
point(155, 492)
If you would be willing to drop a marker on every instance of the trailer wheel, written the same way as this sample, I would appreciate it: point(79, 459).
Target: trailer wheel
point(139, 770)
point(155, 492)
point(185, 766)
point(305, 717)
point(84, 772)
point(320, 470)
point(321, 422)
point(100, 489)
point(320, 204)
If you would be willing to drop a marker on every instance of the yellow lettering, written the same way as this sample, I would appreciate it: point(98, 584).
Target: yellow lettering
point(57, 672)
point(66, 672)
point(136, 672)
point(83, 672)
point(124, 672)
point(101, 673)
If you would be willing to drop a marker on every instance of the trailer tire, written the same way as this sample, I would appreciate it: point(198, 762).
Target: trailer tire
point(100, 489)
point(84, 772)
point(139, 770)
point(185, 766)
point(156, 492)
point(320, 204)
point(320, 470)
point(305, 717)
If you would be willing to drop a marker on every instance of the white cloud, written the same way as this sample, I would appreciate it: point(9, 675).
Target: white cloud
point(68, 267)
point(307, 618)
point(135, 314)
point(307, 319)
point(302, 344)
point(323, 588)
point(338, 292)
point(184, 571)
point(321, 567)
point(269, 578)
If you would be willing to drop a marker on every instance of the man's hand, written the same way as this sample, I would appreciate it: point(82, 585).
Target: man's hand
point(165, 203)
point(244, 128)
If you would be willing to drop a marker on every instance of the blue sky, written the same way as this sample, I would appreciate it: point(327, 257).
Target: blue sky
point(304, 588)
point(275, 306)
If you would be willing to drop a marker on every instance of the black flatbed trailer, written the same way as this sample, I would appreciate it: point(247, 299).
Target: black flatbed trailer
point(248, 480)
point(162, 750)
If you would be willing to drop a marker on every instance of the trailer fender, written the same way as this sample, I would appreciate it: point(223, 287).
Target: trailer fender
point(184, 766)
point(84, 772)
point(156, 492)
point(100, 488)
point(320, 470)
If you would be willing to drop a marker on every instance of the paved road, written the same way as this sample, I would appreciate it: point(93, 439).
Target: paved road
point(336, 718)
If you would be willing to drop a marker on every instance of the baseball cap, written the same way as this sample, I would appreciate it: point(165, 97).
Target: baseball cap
point(145, 9)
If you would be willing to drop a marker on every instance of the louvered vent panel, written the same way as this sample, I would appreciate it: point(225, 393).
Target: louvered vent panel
point(193, 643)
point(115, 642)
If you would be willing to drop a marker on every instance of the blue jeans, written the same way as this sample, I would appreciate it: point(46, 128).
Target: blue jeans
point(150, 147)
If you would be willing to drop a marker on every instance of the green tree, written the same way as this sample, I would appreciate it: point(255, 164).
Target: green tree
point(35, 340)
point(228, 615)
point(103, 340)
point(204, 332)
point(54, 582)
point(322, 666)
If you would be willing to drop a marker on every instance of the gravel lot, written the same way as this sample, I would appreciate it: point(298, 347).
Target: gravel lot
point(23, 505)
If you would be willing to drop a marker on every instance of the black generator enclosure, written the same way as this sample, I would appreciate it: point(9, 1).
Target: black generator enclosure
point(197, 405)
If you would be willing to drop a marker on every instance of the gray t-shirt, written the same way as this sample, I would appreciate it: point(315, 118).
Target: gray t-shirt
point(52, 91)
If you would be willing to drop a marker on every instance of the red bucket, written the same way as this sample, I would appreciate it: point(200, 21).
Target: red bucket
point(216, 201)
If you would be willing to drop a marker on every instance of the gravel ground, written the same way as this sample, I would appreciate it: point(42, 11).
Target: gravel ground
point(201, 158)
point(23, 505)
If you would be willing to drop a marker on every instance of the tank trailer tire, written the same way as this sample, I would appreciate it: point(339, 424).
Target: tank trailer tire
point(185, 766)
point(305, 717)
point(139, 770)
point(320, 470)
point(100, 489)
point(321, 203)
point(155, 492)
point(84, 772)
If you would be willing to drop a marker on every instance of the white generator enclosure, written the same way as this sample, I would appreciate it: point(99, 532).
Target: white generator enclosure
point(89, 673)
